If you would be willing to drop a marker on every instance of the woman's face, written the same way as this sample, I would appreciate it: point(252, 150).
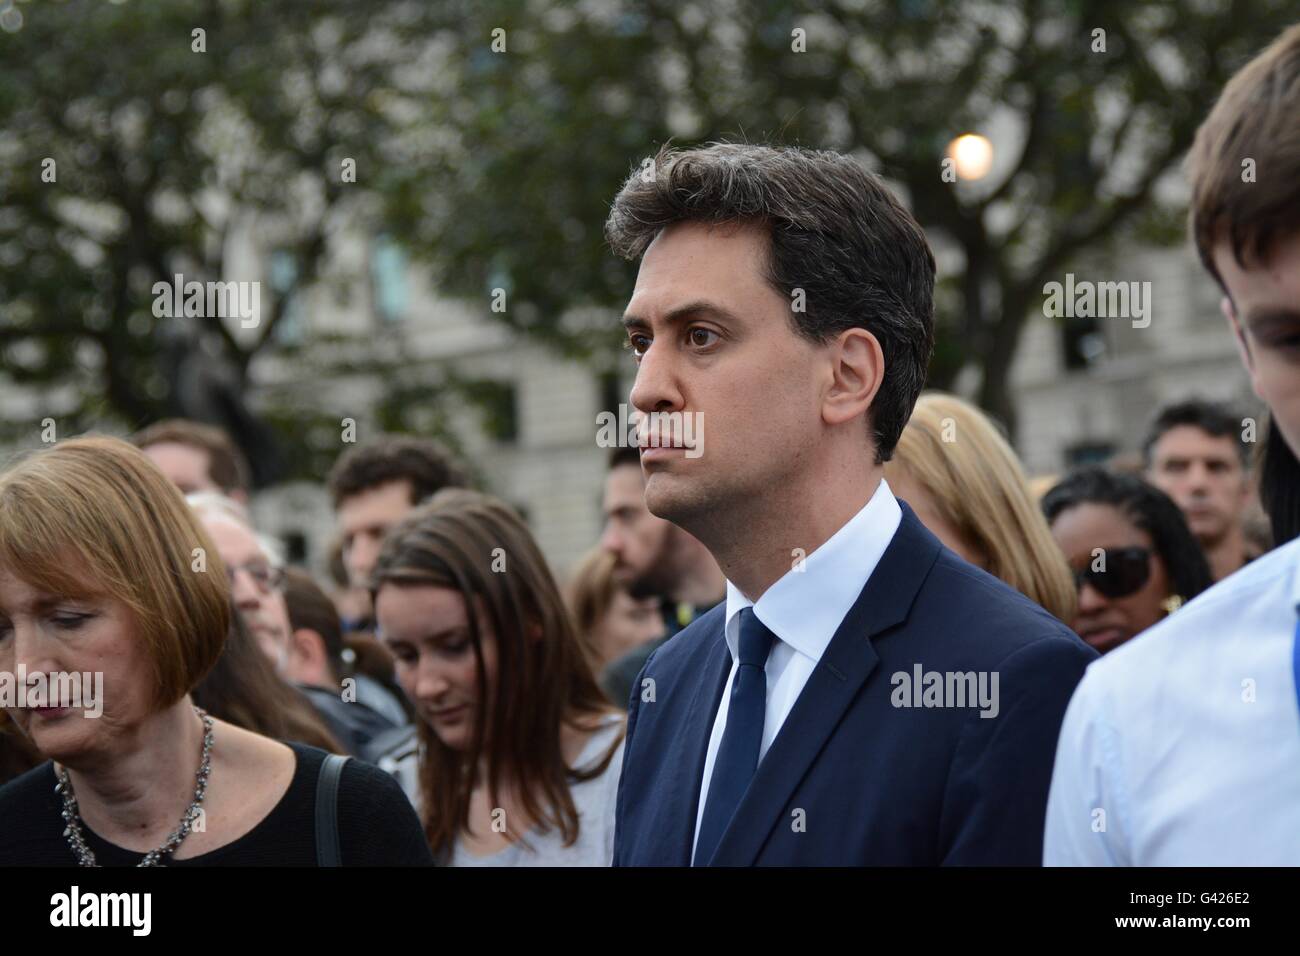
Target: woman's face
point(427, 629)
point(627, 624)
point(45, 636)
point(1106, 622)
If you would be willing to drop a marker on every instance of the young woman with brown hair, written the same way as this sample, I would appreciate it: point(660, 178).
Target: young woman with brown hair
point(521, 753)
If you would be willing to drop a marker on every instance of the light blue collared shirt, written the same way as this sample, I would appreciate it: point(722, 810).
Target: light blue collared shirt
point(1182, 746)
point(804, 609)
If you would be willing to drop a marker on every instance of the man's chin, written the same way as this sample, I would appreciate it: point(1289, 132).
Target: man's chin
point(673, 498)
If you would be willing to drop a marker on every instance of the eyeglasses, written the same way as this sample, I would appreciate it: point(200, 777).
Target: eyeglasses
point(1126, 570)
point(267, 577)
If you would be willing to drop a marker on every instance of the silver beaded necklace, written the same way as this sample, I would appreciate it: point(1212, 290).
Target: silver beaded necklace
point(76, 839)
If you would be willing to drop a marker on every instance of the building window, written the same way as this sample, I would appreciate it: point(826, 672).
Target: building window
point(499, 405)
point(611, 392)
point(388, 280)
point(283, 275)
point(295, 547)
point(1083, 342)
point(1088, 453)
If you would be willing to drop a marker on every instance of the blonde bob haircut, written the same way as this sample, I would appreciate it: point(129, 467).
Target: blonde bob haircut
point(976, 482)
point(93, 517)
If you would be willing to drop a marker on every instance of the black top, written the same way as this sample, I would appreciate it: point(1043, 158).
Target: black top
point(377, 825)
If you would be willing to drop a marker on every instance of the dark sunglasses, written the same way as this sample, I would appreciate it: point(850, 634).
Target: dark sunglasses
point(1127, 569)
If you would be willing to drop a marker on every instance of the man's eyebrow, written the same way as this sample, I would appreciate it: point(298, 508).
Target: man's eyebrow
point(698, 307)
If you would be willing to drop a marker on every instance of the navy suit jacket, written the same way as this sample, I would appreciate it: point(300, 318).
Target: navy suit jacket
point(852, 778)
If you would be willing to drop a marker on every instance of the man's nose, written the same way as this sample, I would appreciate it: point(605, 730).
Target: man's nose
point(611, 540)
point(361, 557)
point(656, 388)
point(245, 591)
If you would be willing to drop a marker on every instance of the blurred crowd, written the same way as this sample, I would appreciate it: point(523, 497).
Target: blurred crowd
point(382, 659)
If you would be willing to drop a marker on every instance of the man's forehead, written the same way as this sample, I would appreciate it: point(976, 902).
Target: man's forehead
point(1183, 439)
point(689, 262)
point(1270, 283)
point(232, 538)
point(1192, 441)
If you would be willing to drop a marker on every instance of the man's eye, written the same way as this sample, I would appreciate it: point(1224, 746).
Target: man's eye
point(696, 334)
point(637, 344)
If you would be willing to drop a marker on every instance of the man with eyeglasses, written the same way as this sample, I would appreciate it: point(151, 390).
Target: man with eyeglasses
point(255, 574)
point(260, 589)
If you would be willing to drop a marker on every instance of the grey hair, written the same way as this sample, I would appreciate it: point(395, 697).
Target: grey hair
point(836, 232)
point(210, 504)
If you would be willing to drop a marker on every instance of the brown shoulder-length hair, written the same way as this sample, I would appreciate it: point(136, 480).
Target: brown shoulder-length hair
point(243, 689)
point(479, 547)
point(93, 516)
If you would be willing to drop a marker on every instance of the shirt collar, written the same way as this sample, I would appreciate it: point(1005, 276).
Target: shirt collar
point(805, 608)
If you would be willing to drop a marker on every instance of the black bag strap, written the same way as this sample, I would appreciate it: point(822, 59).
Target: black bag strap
point(328, 852)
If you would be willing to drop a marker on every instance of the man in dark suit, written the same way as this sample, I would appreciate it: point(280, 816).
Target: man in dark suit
point(863, 696)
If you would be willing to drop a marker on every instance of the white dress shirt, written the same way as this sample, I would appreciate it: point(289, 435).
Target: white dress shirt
point(804, 609)
point(1182, 746)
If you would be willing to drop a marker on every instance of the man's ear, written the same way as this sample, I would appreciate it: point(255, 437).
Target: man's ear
point(306, 652)
point(857, 370)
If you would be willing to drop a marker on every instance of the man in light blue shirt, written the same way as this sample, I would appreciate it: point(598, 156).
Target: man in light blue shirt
point(1182, 748)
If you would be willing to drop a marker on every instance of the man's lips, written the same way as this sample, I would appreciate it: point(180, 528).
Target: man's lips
point(651, 452)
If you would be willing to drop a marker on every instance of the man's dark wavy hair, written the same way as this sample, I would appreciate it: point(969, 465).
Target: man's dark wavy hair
point(836, 232)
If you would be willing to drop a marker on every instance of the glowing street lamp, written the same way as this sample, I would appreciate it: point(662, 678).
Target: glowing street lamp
point(972, 156)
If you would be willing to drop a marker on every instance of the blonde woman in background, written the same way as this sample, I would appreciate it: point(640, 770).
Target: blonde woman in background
point(610, 621)
point(957, 472)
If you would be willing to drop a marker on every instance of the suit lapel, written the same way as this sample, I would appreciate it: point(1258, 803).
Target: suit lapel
point(692, 744)
point(832, 687)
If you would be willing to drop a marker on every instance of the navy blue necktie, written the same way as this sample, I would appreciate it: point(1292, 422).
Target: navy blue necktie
point(737, 756)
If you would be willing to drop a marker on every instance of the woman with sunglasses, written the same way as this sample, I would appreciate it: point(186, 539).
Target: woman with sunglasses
point(1133, 556)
